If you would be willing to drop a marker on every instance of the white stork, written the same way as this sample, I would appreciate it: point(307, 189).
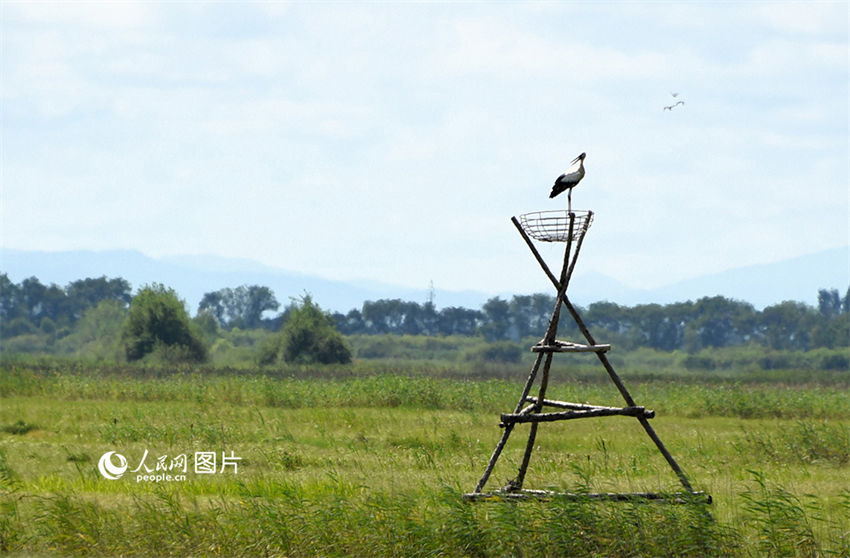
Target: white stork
point(569, 180)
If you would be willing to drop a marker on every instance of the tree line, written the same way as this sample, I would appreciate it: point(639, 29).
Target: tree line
point(31, 307)
point(693, 325)
point(153, 324)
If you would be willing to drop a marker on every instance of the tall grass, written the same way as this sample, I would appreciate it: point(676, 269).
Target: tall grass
point(783, 523)
point(345, 521)
point(803, 442)
point(346, 461)
point(354, 387)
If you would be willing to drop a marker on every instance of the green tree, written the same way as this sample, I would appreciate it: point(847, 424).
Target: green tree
point(88, 293)
point(832, 329)
point(9, 299)
point(214, 305)
point(157, 321)
point(384, 316)
point(497, 322)
point(350, 323)
point(310, 336)
point(41, 301)
point(415, 319)
point(258, 300)
point(456, 320)
point(609, 316)
point(788, 325)
point(659, 327)
point(829, 302)
point(530, 314)
point(241, 307)
point(429, 318)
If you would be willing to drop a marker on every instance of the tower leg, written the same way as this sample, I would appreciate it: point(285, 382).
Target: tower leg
point(516, 484)
point(509, 428)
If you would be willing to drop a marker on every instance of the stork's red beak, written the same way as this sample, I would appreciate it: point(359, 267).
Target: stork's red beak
point(579, 158)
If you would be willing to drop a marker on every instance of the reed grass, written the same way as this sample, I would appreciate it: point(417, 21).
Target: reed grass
point(358, 463)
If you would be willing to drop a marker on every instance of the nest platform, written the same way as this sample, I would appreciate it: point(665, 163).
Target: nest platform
point(554, 226)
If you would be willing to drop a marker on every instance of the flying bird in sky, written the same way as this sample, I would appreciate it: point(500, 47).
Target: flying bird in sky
point(674, 105)
point(569, 180)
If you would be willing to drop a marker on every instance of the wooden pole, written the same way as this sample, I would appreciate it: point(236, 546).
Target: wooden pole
point(548, 339)
point(516, 484)
point(509, 428)
point(566, 415)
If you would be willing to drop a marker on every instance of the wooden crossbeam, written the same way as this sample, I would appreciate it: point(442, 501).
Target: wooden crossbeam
point(648, 413)
point(569, 347)
point(636, 411)
point(669, 497)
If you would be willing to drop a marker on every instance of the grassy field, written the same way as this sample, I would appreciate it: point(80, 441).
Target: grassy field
point(372, 460)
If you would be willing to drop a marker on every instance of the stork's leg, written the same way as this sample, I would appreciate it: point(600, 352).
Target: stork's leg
point(569, 201)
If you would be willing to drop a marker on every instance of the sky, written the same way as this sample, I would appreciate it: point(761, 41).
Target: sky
point(393, 141)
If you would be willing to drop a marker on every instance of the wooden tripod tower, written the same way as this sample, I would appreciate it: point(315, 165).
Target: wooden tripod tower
point(568, 227)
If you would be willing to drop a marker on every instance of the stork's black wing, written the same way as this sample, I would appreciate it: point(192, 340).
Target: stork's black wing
point(562, 184)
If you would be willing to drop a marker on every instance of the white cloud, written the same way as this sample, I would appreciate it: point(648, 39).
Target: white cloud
point(500, 49)
point(785, 58)
point(78, 14)
point(397, 140)
point(805, 17)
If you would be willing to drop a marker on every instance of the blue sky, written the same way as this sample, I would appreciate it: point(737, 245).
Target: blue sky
point(394, 141)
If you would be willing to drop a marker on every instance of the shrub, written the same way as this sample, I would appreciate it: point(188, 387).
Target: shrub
point(310, 336)
point(158, 322)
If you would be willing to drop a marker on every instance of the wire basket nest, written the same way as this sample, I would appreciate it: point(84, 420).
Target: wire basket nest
point(554, 226)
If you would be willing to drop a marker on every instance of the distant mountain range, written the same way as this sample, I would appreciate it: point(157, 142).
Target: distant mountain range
point(761, 285)
point(192, 276)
